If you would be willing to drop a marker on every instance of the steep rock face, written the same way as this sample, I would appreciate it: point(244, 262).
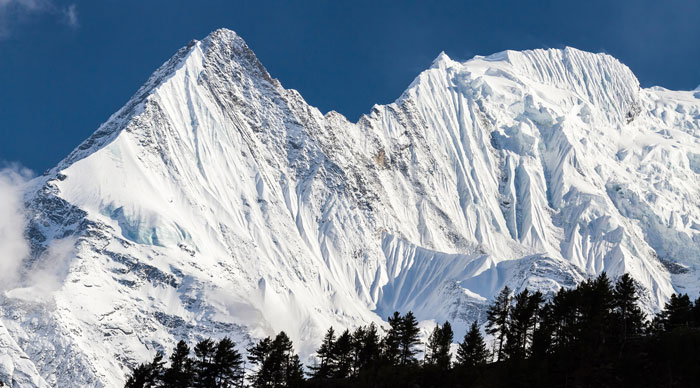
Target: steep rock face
point(216, 203)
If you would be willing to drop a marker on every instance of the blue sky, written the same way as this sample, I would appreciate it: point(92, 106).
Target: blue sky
point(65, 66)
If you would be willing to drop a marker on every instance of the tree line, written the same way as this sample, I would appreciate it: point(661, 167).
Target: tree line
point(592, 335)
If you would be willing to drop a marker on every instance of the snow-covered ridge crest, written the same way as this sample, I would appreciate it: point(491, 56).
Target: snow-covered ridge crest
point(216, 203)
point(597, 78)
point(220, 38)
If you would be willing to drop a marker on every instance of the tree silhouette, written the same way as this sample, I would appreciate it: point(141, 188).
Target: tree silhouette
point(179, 374)
point(438, 348)
point(147, 375)
point(472, 352)
point(367, 347)
point(409, 339)
point(628, 316)
point(325, 354)
point(497, 319)
point(392, 341)
point(343, 356)
point(227, 364)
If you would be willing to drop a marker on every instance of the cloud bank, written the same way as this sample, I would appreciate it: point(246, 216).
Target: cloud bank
point(13, 246)
point(47, 271)
point(16, 12)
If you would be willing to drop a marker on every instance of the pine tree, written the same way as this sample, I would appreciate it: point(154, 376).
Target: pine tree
point(148, 375)
point(438, 347)
point(343, 355)
point(139, 377)
point(391, 345)
point(357, 343)
point(472, 352)
point(536, 303)
point(542, 336)
point(677, 312)
point(497, 319)
point(522, 323)
point(432, 346)
point(409, 339)
point(284, 362)
point(227, 364)
point(564, 316)
point(597, 302)
point(629, 317)
point(279, 359)
point(179, 374)
point(258, 356)
point(276, 363)
point(518, 324)
point(367, 347)
point(295, 372)
point(325, 369)
point(204, 368)
point(444, 357)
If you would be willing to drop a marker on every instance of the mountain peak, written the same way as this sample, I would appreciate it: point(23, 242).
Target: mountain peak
point(442, 60)
point(223, 36)
point(222, 49)
point(597, 78)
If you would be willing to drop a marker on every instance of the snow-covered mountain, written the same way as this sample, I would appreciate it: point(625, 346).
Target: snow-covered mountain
point(216, 202)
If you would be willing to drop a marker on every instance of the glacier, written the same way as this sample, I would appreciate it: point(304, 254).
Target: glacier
point(216, 202)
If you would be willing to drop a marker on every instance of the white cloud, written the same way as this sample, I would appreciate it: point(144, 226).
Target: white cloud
point(45, 272)
point(26, 4)
point(13, 246)
point(16, 12)
point(71, 16)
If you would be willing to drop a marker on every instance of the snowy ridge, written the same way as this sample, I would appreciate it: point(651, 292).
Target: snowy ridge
point(598, 78)
point(216, 203)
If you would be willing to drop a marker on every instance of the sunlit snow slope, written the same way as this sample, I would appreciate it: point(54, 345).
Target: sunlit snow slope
point(216, 203)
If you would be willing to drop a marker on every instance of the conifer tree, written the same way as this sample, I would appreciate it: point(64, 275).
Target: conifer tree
point(677, 312)
point(284, 363)
point(564, 315)
point(281, 352)
point(258, 356)
point(138, 378)
point(227, 364)
point(367, 347)
point(295, 372)
point(179, 374)
point(472, 352)
point(391, 345)
point(432, 346)
point(518, 324)
point(276, 364)
point(542, 336)
point(204, 368)
point(343, 356)
point(357, 343)
point(444, 356)
point(325, 368)
point(409, 339)
point(147, 375)
point(597, 302)
point(497, 319)
point(536, 303)
point(629, 317)
point(522, 323)
point(438, 347)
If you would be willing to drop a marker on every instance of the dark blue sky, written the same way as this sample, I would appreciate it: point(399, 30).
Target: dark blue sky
point(65, 66)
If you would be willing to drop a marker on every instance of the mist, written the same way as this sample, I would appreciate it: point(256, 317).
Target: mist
point(13, 246)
